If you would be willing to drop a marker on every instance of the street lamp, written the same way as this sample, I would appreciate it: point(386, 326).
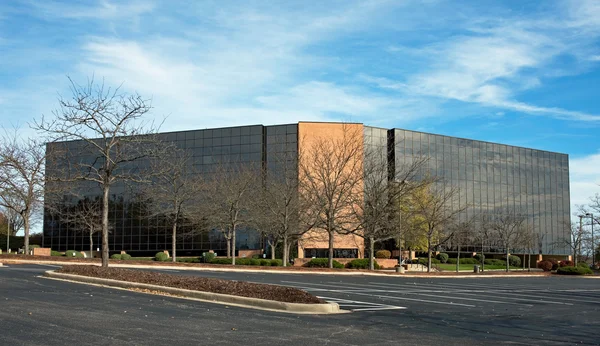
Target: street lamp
point(591, 216)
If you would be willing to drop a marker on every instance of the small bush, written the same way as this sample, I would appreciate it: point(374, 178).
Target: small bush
point(513, 261)
point(276, 263)
point(545, 265)
point(322, 263)
point(383, 254)
point(451, 260)
point(566, 264)
point(56, 253)
point(579, 264)
point(116, 256)
point(361, 263)
point(265, 262)
point(442, 257)
point(256, 256)
point(73, 253)
point(161, 257)
point(125, 257)
point(569, 270)
point(554, 263)
point(207, 257)
point(221, 261)
point(479, 257)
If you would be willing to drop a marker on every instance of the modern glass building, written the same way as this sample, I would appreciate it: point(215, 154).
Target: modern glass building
point(490, 177)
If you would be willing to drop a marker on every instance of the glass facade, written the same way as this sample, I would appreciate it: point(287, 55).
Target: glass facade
point(129, 230)
point(490, 177)
point(493, 177)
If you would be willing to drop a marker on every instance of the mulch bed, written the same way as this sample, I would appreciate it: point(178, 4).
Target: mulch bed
point(238, 288)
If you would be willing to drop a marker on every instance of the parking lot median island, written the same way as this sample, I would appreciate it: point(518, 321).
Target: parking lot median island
point(238, 288)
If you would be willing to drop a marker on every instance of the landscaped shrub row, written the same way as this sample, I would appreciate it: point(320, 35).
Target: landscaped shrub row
point(545, 265)
point(463, 261)
point(574, 271)
point(56, 253)
point(361, 263)
point(583, 264)
point(124, 257)
point(249, 262)
point(323, 263)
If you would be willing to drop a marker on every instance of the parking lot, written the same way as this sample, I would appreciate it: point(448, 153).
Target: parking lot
point(385, 310)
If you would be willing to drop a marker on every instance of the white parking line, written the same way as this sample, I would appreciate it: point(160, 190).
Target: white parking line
point(304, 286)
point(364, 306)
point(496, 294)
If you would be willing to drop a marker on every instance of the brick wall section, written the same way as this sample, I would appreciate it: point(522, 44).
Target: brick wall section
point(249, 253)
point(41, 251)
point(384, 263)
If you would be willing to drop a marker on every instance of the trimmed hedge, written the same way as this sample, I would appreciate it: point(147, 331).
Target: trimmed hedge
point(125, 257)
point(574, 271)
point(73, 253)
point(361, 263)
point(385, 254)
point(323, 263)
point(479, 257)
point(221, 261)
point(462, 261)
point(161, 257)
point(188, 259)
point(116, 256)
point(56, 253)
point(442, 257)
point(583, 265)
point(423, 261)
point(495, 262)
point(545, 265)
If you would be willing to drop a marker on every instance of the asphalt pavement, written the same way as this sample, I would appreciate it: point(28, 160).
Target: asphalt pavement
point(384, 310)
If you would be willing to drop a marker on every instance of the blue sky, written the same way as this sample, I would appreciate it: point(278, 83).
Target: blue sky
point(517, 72)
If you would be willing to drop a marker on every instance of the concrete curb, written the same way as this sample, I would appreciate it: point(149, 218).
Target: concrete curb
point(254, 303)
point(249, 270)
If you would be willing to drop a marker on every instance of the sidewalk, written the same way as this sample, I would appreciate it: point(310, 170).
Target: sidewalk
point(281, 270)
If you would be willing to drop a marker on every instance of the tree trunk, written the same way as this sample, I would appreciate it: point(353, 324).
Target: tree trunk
point(228, 238)
point(458, 260)
point(285, 251)
point(91, 243)
point(174, 242)
point(105, 225)
point(507, 261)
point(26, 227)
point(233, 245)
point(371, 253)
point(428, 254)
point(273, 246)
point(330, 259)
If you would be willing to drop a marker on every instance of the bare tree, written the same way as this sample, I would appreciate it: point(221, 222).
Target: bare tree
point(508, 226)
point(22, 178)
point(230, 190)
point(462, 234)
point(434, 209)
point(330, 176)
point(16, 222)
point(377, 208)
point(103, 121)
point(174, 192)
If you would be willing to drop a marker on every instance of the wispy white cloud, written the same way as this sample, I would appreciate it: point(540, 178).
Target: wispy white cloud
point(101, 10)
point(585, 179)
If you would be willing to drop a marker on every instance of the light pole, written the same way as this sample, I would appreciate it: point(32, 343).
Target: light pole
point(580, 233)
point(591, 216)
